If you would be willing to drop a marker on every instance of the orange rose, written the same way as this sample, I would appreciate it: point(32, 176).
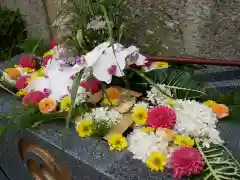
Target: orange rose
point(47, 105)
point(13, 73)
point(113, 93)
point(220, 110)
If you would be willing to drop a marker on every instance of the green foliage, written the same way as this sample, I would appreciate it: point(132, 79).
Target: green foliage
point(230, 99)
point(36, 46)
point(74, 23)
point(101, 128)
point(21, 118)
point(179, 81)
point(220, 163)
point(12, 31)
point(72, 108)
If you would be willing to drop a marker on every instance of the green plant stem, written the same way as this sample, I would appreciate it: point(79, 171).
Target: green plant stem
point(73, 97)
point(150, 82)
point(186, 89)
point(6, 89)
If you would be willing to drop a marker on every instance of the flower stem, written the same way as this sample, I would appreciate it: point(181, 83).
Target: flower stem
point(151, 82)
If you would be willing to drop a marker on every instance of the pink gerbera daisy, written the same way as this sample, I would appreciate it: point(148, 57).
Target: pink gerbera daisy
point(186, 161)
point(161, 117)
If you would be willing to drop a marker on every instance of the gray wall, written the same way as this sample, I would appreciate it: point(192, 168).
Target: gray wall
point(202, 28)
point(34, 14)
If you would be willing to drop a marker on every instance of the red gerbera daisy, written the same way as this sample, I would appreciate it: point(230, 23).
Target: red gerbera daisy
point(186, 161)
point(22, 82)
point(46, 59)
point(33, 98)
point(27, 62)
point(161, 117)
point(93, 84)
point(52, 43)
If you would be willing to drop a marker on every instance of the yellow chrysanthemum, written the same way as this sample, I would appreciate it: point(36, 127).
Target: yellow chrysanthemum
point(7, 70)
point(29, 70)
point(49, 53)
point(21, 92)
point(140, 115)
point(183, 141)
point(110, 102)
point(209, 103)
point(157, 161)
point(117, 142)
point(147, 129)
point(170, 102)
point(85, 128)
point(161, 64)
point(16, 65)
point(65, 103)
point(41, 72)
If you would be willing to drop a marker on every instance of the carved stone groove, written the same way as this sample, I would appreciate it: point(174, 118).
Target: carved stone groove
point(44, 166)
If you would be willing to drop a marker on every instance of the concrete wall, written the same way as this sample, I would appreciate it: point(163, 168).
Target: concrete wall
point(202, 28)
point(35, 13)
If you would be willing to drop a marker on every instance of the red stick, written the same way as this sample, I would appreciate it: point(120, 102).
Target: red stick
point(183, 60)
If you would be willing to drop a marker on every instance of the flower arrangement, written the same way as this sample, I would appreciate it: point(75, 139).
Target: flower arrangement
point(105, 88)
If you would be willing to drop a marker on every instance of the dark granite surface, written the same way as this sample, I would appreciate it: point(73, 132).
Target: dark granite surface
point(2, 175)
point(87, 158)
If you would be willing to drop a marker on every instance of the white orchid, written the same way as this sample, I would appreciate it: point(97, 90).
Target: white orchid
point(58, 78)
point(107, 61)
point(155, 65)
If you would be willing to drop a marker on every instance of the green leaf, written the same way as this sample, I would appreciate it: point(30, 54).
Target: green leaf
point(236, 98)
point(35, 46)
point(178, 81)
point(220, 163)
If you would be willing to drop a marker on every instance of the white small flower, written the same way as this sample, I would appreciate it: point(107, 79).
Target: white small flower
point(196, 120)
point(80, 96)
point(86, 116)
point(100, 113)
point(103, 113)
point(142, 144)
point(158, 98)
point(114, 116)
point(139, 143)
point(141, 104)
point(97, 24)
point(162, 135)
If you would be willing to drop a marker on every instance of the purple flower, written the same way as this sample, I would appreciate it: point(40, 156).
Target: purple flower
point(73, 77)
point(79, 60)
point(47, 92)
point(112, 70)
